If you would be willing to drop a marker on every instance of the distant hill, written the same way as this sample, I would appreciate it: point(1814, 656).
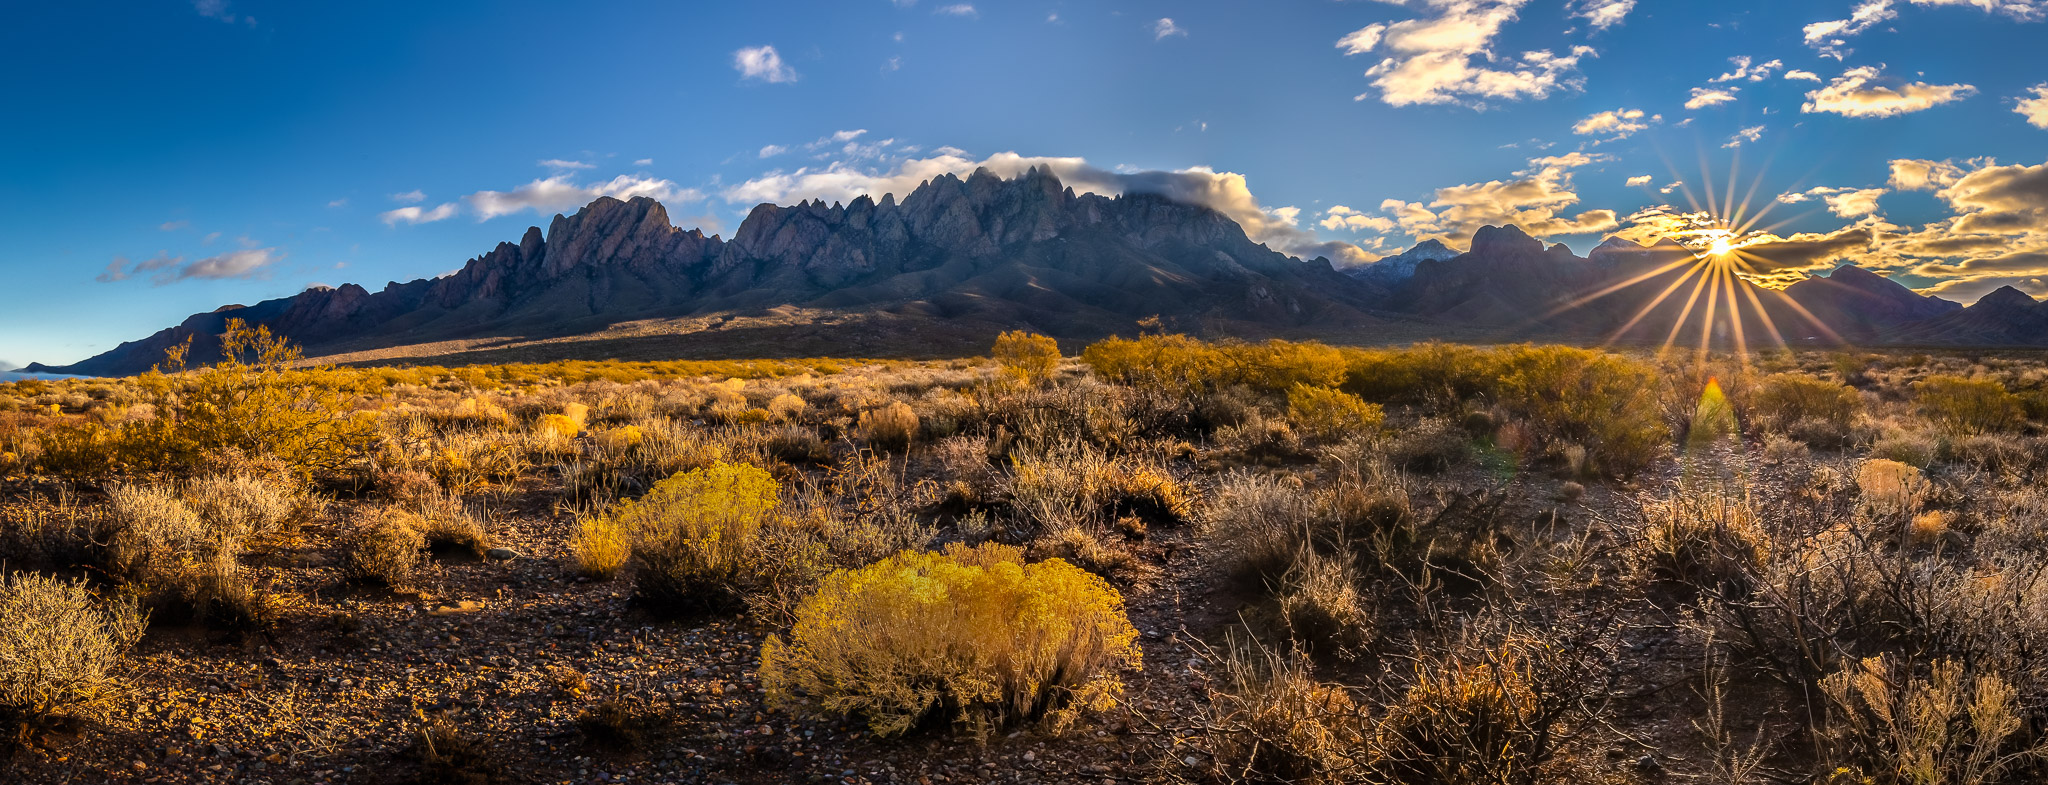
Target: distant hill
point(959, 260)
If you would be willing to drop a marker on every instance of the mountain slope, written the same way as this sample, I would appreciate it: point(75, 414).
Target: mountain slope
point(956, 259)
point(2005, 317)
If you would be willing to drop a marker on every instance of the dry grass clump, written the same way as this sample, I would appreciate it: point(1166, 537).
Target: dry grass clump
point(890, 427)
point(1890, 488)
point(60, 650)
point(974, 636)
point(1270, 721)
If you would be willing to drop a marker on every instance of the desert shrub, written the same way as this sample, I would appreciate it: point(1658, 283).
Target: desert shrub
point(255, 403)
point(1319, 606)
point(1435, 373)
point(1890, 487)
point(1026, 357)
point(787, 407)
point(1432, 444)
point(1909, 447)
point(60, 650)
point(1261, 523)
point(242, 507)
point(1815, 411)
point(1497, 705)
point(186, 565)
point(1711, 538)
point(974, 635)
point(1960, 406)
point(694, 534)
point(890, 427)
point(601, 546)
point(1782, 450)
point(1085, 549)
point(1997, 452)
point(384, 545)
point(1602, 401)
point(1175, 364)
point(1890, 725)
point(557, 425)
point(1271, 721)
point(1331, 414)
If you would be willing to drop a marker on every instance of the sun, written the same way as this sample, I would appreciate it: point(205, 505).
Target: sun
point(1722, 246)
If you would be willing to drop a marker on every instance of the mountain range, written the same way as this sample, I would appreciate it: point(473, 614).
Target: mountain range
point(960, 259)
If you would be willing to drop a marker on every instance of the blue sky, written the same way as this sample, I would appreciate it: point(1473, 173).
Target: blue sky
point(167, 157)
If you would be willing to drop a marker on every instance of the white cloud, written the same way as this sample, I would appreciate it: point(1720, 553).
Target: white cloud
point(1620, 123)
point(559, 194)
point(1830, 38)
point(1864, 92)
point(2035, 109)
point(1639, 180)
point(643, 162)
point(1603, 14)
point(956, 9)
point(413, 196)
point(763, 63)
point(419, 215)
point(1164, 28)
point(165, 268)
point(1225, 192)
point(770, 151)
point(1744, 70)
point(1449, 57)
point(558, 163)
point(1803, 76)
point(1341, 217)
point(1711, 96)
point(1671, 186)
point(1749, 134)
point(1909, 174)
point(172, 226)
point(342, 202)
point(1843, 202)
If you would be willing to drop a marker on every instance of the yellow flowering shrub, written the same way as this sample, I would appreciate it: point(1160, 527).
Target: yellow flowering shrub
point(972, 632)
point(1329, 413)
point(559, 425)
point(1026, 356)
point(691, 538)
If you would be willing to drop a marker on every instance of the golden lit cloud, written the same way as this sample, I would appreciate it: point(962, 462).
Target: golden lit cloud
point(2035, 109)
point(1710, 96)
point(1448, 57)
point(1864, 92)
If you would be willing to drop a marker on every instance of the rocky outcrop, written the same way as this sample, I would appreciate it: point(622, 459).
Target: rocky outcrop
point(1025, 252)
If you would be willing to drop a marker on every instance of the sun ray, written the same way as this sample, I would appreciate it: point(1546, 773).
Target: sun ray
point(1655, 301)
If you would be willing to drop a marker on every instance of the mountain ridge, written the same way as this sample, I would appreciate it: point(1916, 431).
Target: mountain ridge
point(959, 259)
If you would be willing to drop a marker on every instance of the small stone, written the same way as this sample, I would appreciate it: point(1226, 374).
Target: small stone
point(1030, 756)
point(1191, 761)
point(502, 554)
point(1647, 763)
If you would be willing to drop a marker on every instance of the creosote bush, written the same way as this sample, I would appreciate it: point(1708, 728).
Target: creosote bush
point(974, 636)
point(890, 427)
point(1961, 407)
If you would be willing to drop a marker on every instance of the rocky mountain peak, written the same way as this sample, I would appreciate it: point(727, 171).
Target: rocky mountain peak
point(2006, 297)
point(1499, 241)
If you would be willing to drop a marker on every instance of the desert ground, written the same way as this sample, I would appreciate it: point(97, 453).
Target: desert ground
point(1146, 560)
